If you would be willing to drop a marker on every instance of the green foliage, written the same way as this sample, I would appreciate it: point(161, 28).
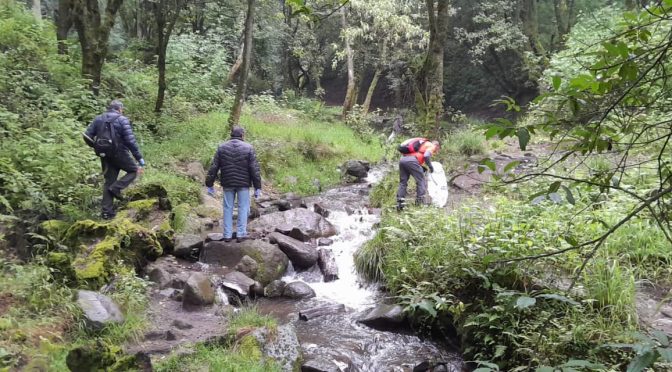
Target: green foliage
point(249, 317)
point(465, 142)
point(217, 358)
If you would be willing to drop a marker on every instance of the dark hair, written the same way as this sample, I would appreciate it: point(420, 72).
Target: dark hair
point(115, 105)
point(237, 132)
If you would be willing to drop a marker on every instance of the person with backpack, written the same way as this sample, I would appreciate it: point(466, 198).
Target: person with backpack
point(111, 136)
point(416, 152)
point(236, 163)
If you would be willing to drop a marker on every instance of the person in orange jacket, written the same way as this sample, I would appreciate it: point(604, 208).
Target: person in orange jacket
point(417, 152)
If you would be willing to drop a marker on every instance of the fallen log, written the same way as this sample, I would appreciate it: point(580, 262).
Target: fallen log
point(316, 312)
point(327, 263)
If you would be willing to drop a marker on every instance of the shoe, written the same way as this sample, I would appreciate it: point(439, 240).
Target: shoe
point(108, 216)
point(115, 194)
point(241, 239)
point(227, 240)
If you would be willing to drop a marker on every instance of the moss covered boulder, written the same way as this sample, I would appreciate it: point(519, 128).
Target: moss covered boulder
point(98, 248)
point(100, 356)
point(152, 214)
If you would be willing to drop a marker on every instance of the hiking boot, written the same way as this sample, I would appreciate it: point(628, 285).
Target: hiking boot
point(227, 240)
point(400, 205)
point(241, 239)
point(107, 216)
point(115, 194)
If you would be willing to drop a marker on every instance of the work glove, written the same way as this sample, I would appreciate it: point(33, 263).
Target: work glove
point(257, 193)
point(211, 191)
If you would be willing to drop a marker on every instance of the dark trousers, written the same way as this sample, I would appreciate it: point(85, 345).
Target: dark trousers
point(409, 166)
point(111, 167)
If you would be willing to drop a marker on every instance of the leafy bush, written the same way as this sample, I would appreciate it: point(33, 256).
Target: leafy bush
point(466, 142)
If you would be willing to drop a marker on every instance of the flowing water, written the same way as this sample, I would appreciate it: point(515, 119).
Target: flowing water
point(338, 337)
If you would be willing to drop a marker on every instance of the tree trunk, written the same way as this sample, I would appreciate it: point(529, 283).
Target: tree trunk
point(429, 89)
point(530, 24)
point(94, 31)
point(241, 90)
point(166, 18)
point(350, 93)
point(63, 25)
point(369, 92)
point(564, 14)
point(37, 9)
point(233, 72)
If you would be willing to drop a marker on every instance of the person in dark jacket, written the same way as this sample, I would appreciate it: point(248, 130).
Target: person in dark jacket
point(120, 159)
point(236, 163)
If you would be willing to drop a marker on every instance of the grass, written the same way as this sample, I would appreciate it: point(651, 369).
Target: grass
point(294, 152)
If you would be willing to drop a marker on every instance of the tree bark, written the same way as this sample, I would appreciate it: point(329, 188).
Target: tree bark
point(165, 23)
point(241, 89)
point(63, 19)
point(233, 72)
point(94, 31)
point(429, 87)
point(530, 24)
point(372, 88)
point(37, 9)
point(350, 93)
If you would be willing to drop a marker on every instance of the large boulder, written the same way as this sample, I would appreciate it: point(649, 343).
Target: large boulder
point(302, 255)
point(248, 266)
point(327, 262)
point(275, 289)
point(308, 222)
point(154, 215)
point(298, 290)
point(238, 283)
point(384, 317)
point(167, 272)
point(281, 345)
point(99, 310)
point(187, 245)
point(356, 168)
point(271, 262)
point(198, 291)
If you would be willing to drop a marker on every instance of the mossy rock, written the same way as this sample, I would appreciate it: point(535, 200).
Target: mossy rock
point(149, 214)
point(101, 356)
point(61, 262)
point(54, 229)
point(178, 219)
point(207, 211)
point(100, 247)
point(150, 191)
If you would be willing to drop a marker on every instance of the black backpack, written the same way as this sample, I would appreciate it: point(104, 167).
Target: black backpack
point(105, 144)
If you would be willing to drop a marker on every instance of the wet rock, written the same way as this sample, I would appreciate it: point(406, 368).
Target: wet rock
point(384, 317)
point(310, 223)
point(298, 290)
point(319, 209)
point(349, 210)
point(171, 336)
point(284, 229)
point(302, 255)
point(356, 168)
point(283, 205)
point(198, 291)
point(187, 245)
point(316, 312)
point(324, 242)
point(99, 310)
point(310, 275)
point(237, 282)
point(257, 290)
point(161, 277)
point(282, 346)
point(327, 262)
point(214, 237)
point(181, 324)
point(272, 263)
point(319, 364)
point(275, 288)
point(247, 266)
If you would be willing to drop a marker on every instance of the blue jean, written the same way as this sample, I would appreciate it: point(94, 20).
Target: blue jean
point(243, 196)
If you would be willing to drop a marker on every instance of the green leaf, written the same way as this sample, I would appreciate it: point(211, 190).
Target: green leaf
point(571, 240)
point(523, 138)
point(487, 163)
point(582, 364)
point(511, 165)
point(568, 195)
point(557, 297)
point(665, 354)
point(642, 361)
point(523, 302)
point(492, 131)
point(499, 351)
point(556, 82)
point(554, 187)
point(662, 338)
point(544, 369)
point(428, 306)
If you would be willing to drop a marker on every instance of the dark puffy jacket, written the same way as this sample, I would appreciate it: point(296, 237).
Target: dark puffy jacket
point(122, 129)
point(236, 163)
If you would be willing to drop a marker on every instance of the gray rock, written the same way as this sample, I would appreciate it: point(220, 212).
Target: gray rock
point(99, 310)
point(319, 364)
point(272, 263)
point(248, 266)
point(161, 277)
point(237, 282)
point(181, 324)
point(195, 171)
point(283, 205)
point(302, 255)
point(319, 209)
point(198, 291)
point(214, 237)
point(384, 317)
point(324, 242)
point(282, 346)
point(187, 245)
point(349, 210)
point(327, 262)
point(275, 288)
point(310, 223)
point(356, 168)
point(298, 290)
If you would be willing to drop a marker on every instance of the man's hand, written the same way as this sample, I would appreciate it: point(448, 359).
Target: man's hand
point(211, 191)
point(257, 194)
point(141, 170)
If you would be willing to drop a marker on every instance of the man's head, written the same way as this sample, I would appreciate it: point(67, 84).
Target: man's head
point(117, 106)
point(437, 144)
point(237, 132)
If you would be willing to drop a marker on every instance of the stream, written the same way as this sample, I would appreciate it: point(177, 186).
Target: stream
point(339, 337)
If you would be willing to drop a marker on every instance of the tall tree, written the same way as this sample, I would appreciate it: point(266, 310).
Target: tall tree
point(429, 84)
point(94, 32)
point(351, 92)
point(241, 89)
point(63, 18)
point(564, 18)
point(37, 9)
point(167, 13)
